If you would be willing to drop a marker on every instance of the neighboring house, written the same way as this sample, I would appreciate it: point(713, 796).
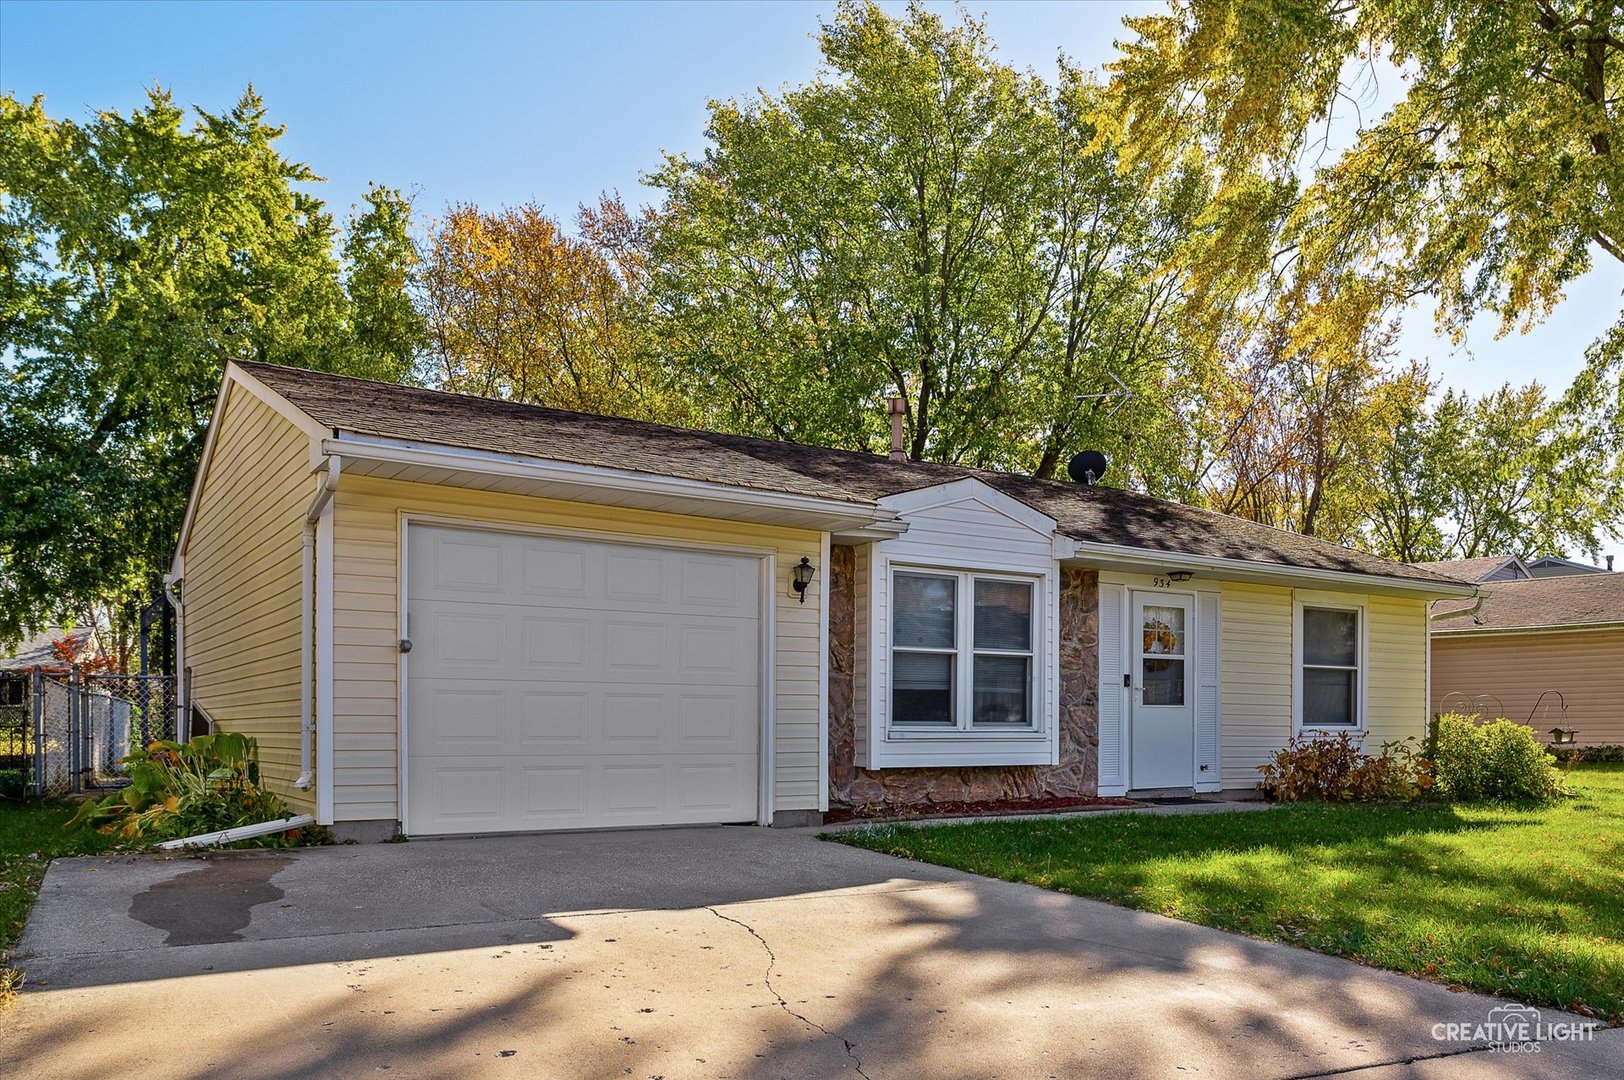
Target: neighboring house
point(1486, 568)
point(1552, 566)
point(448, 614)
point(53, 649)
point(1535, 645)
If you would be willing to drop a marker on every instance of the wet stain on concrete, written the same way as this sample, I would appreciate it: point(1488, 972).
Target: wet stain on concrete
point(211, 904)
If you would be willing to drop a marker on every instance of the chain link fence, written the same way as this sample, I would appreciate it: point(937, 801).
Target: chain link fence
point(67, 734)
point(16, 741)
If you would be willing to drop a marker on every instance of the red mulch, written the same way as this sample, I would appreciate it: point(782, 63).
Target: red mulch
point(994, 808)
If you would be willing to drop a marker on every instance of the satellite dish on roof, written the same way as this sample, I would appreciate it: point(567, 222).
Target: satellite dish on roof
point(1087, 467)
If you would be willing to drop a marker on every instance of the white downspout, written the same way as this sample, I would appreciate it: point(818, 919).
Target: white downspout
point(307, 621)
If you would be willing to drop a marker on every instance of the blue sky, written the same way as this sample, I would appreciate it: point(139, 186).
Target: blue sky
point(502, 102)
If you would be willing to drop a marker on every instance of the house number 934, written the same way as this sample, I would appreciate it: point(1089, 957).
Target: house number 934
point(1162, 582)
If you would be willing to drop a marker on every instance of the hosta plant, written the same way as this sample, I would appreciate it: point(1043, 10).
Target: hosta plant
point(185, 789)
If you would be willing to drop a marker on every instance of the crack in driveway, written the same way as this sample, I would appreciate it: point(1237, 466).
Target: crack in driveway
point(783, 1003)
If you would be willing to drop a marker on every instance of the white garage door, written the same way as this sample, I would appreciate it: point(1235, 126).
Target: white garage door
point(559, 683)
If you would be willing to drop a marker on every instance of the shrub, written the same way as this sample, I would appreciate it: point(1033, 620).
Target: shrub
point(1497, 760)
point(1337, 770)
point(185, 789)
point(1589, 755)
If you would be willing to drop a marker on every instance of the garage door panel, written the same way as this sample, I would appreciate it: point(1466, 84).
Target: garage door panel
point(496, 795)
point(559, 683)
point(554, 720)
point(560, 644)
point(451, 718)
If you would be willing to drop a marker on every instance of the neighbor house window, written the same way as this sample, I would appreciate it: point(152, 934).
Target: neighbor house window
point(1331, 667)
point(962, 651)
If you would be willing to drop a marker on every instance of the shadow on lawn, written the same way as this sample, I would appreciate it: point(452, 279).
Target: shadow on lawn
point(1419, 889)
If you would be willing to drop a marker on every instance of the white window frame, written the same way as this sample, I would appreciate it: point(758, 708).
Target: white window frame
point(1301, 601)
point(964, 653)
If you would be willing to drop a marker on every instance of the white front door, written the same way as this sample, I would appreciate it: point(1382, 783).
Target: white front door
point(1162, 745)
point(562, 683)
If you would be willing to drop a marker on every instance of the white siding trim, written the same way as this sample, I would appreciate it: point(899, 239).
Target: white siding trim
point(769, 693)
point(403, 674)
point(1208, 693)
point(324, 666)
point(823, 676)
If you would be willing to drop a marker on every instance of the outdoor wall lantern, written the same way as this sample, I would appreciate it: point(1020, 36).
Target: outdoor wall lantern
point(1562, 736)
point(1180, 575)
point(803, 577)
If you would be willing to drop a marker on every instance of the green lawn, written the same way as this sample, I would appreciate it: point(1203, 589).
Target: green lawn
point(1522, 901)
point(31, 835)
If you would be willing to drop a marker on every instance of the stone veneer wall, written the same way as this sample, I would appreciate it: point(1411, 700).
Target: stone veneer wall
point(1078, 771)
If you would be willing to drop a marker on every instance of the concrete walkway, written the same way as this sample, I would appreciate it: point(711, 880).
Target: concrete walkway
point(734, 952)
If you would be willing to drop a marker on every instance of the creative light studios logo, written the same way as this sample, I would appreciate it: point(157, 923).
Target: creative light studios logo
point(1516, 1029)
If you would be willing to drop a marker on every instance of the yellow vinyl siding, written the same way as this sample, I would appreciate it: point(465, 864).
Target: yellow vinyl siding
point(1587, 668)
point(1258, 625)
point(1396, 699)
point(1255, 713)
point(242, 592)
point(367, 527)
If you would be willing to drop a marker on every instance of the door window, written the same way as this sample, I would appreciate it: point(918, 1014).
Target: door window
point(1163, 654)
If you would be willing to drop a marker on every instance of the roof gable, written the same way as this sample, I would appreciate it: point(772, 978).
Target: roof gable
point(970, 492)
point(1480, 569)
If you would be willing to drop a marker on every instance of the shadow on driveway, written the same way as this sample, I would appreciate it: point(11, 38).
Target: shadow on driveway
point(678, 953)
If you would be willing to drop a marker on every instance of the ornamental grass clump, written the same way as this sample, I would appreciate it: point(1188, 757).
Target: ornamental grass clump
point(1495, 760)
point(177, 790)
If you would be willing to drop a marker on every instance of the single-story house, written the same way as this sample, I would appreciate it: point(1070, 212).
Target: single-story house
point(445, 614)
point(1556, 566)
point(1544, 651)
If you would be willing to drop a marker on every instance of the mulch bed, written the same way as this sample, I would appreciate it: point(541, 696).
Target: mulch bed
point(995, 808)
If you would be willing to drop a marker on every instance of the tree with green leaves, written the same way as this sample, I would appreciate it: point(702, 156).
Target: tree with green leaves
point(140, 253)
point(924, 220)
point(1509, 473)
point(387, 331)
point(1494, 180)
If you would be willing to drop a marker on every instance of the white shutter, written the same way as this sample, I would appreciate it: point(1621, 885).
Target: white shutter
point(1113, 698)
point(1207, 775)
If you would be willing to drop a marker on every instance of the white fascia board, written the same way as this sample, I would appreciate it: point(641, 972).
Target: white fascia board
point(1118, 556)
point(236, 376)
point(285, 408)
point(907, 502)
point(838, 512)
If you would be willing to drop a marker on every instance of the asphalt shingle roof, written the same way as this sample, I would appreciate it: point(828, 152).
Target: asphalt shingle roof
point(1096, 514)
point(1567, 601)
point(1473, 570)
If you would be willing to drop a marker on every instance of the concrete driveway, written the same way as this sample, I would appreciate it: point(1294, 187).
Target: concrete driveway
point(723, 952)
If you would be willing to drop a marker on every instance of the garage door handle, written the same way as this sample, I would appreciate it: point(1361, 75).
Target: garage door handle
point(405, 645)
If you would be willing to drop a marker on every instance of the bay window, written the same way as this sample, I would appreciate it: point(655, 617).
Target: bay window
point(962, 652)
